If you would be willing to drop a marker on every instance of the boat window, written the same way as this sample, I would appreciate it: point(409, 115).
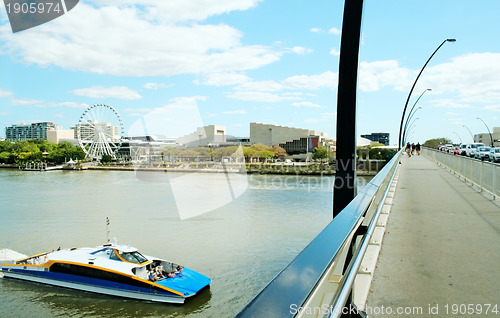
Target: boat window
point(133, 257)
point(114, 256)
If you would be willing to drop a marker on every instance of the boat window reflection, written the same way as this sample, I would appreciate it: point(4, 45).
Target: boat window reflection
point(114, 256)
point(133, 257)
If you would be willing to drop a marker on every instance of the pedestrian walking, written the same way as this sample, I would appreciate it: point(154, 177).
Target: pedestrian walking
point(408, 149)
point(417, 148)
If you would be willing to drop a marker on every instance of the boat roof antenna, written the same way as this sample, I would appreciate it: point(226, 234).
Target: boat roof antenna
point(107, 230)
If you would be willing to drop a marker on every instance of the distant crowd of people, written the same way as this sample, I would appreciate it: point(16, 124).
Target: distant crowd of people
point(157, 273)
point(411, 149)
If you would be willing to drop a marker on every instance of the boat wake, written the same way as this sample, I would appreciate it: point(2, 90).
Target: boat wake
point(7, 255)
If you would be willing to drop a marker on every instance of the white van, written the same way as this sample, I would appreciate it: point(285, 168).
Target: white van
point(471, 148)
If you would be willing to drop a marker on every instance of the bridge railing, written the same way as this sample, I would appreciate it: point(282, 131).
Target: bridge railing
point(332, 259)
point(483, 174)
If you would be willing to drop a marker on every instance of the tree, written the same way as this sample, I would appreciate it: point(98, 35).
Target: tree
point(106, 158)
point(264, 154)
point(279, 151)
point(319, 153)
point(248, 153)
point(6, 157)
point(224, 152)
point(434, 143)
point(382, 153)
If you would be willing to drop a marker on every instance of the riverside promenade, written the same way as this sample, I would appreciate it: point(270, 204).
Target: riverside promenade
point(440, 255)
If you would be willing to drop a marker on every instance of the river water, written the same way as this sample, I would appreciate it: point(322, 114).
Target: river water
point(240, 231)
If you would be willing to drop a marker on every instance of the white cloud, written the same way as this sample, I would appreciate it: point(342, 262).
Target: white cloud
point(473, 76)
point(301, 50)
point(235, 112)
point(334, 31)
point(327, 79)
point(186, 10)
point(128, 40)
point(179, 117)
point(456, 121)
point(25, 101)
point(223, 79)
point(266, 86)
point(260, 96)
point(335, 52)
point(120, 92)
point(495, 108)
point(375, 75)
point(68, 105)
point(61, 104)
point(449, 103)
point(312, 121)
point(155, 86)
point(261, 90)
point(5, 93)
point(320, 30)
point(306, 104)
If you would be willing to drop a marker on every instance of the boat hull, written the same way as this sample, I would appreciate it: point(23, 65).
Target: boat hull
point(93, 285)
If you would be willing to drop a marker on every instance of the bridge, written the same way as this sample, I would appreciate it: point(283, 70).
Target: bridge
point(421, 239)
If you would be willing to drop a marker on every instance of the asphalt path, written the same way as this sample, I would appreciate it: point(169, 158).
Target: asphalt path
point(440, 255)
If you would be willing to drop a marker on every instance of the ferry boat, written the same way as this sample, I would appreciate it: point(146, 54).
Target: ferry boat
point(110, 269)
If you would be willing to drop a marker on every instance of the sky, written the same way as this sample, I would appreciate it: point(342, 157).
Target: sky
point(168, 67)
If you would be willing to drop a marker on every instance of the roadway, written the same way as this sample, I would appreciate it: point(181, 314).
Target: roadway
point(441, 250)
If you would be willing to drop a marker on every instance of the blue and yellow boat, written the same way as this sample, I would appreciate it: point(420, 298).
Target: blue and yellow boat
point(111, 269)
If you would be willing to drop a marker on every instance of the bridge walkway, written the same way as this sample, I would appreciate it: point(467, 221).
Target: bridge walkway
point(441, 248)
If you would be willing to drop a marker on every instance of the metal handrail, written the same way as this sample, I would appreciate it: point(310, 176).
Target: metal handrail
point(294, 284)
point(485, 175)
point(353, 270)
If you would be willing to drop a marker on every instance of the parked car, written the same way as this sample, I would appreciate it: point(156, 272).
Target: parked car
point(445, 148)
point(494, 154)
point(463, 149)
point(471, 148)
point(482, 153)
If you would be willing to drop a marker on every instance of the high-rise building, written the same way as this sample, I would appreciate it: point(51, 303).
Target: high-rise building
point(88, 130)
point(31, 131)
point(382, 138)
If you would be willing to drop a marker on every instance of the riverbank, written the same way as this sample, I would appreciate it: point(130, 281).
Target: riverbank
point(318, 170)
point(228, 170)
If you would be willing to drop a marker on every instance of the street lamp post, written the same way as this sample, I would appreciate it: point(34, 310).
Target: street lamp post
point(410, 116)
point(406, 136)
point(411, 90)
point(470, 132)
point(491, 137)
point(345, 173)
point(410, 131)
point(458, 137)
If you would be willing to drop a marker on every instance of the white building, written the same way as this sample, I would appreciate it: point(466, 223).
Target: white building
point(271, 135)
point(55, 136)
point(204, 136)
point(485, 138)
point(88, 131)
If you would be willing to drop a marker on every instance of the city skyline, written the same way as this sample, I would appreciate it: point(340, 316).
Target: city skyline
point(173, 66)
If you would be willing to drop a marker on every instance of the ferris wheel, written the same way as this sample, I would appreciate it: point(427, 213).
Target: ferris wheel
point(100, 131)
